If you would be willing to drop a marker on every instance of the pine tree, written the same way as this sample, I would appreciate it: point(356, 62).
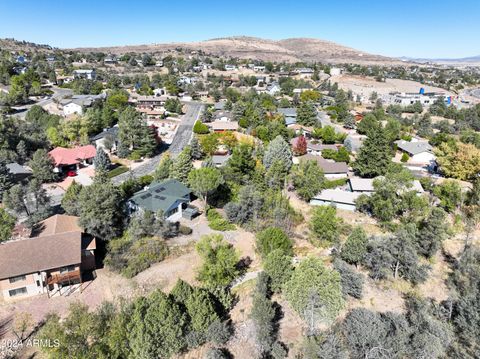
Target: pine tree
point(196, 148)
point(375, 155)
point(307, 114)
point(101, 161)
point(182, 165)
point(42, 166)
point(278, 150)
point(164, 168)
point(6, 179)
point(70, 200)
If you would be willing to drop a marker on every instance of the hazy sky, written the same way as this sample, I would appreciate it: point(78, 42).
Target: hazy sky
point(428, 28)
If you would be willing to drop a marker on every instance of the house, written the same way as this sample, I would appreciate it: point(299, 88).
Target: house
point(336, 197)
point(365, 185)
point(77, 103)
point(290, 115)
point(220, 160)
point(108, 134)
point(19, 172)
point(223, 126)
point(335, 71)
point(258, 68)
point(317, 148)
point(54, 261)
point(85, 74)
point(67, 159)
point(273, 88)
point(420, 152)
point(230, 67)
point(332, 170)
point(150, 102)
point(110, 60)
point(171, 197)
point(219, 106)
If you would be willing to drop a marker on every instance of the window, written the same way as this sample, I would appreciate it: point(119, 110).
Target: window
point(18, 291)
point(17, 279)
point(67, 269)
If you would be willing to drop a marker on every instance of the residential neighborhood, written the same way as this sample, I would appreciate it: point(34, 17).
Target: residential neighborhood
point(236, 197)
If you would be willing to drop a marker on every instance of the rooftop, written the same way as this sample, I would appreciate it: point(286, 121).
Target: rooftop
point(414, 147)
point(71, 156)
point(160, 195)
point(58, 243)
point(338, 196)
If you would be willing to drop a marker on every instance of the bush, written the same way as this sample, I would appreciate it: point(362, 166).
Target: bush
point(405, 157)
point(219, 332)
point(273, 238)
point(131, 257)
point(185, 230)
point(352, 282)
point(217, 222)
point(200, 128)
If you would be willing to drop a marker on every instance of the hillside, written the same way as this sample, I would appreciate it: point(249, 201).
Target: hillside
point(291, 50)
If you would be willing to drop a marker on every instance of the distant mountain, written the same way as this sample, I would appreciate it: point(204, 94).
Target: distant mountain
point(291, 50)
point(472, 60)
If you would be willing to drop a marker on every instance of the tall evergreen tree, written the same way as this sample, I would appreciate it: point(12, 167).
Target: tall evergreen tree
point(375, 155)
point(278, 150)
point(101, 161)
point(196, 148)
point(182, 166)
point(42, 166)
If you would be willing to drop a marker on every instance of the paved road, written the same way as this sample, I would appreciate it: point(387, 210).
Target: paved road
point(181, 139)
point(58, 93)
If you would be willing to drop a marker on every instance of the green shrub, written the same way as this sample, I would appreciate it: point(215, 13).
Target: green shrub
point(200, 128)
point(185, 230)
point(405, 157)
point(334, 183)
point(217, 222)
point(132, 257)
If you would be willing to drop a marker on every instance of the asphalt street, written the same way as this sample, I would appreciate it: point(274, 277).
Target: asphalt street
point(180, 140)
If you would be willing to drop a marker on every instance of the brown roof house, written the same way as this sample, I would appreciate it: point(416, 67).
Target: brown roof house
point(53, 261)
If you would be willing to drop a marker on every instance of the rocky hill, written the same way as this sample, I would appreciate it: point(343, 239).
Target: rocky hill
point(291, 50)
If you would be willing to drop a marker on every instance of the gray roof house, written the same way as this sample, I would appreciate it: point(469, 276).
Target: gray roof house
point(365, 185)
point(414, 147)
point(108, 133)
point(338, 198)
point(220, 160)
point(330, 169)
point(171, 197)
point(288, 111)
point(19, 172)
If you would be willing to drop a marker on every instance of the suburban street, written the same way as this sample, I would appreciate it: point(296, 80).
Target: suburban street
point(58, 93)
point(181, 139)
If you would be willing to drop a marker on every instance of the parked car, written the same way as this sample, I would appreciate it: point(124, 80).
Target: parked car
point(71, 173)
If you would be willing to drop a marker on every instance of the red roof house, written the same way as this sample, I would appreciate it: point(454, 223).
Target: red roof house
point(72, 157)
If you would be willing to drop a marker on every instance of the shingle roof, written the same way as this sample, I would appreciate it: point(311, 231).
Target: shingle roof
point(160, 196)
point(414, 148)
point(113, 131)
point(15, 168)
point(70, 156)
point(220, 160)
point(288, 111)
point(327, 166)
point(58, 244)
point(361, 184)
point(59, 223)
point(223, 125)
point(338, 196)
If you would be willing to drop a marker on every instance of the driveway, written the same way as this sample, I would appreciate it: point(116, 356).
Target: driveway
point(181, 139)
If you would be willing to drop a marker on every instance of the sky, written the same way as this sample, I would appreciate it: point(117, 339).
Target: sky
point(414, 28)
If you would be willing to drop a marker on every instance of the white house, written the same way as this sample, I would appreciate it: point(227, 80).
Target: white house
point(419, 151)
point(85, 74)
point(71, 108)
point(336, 197)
